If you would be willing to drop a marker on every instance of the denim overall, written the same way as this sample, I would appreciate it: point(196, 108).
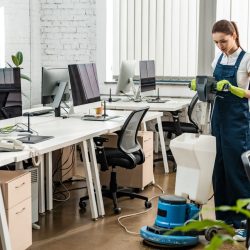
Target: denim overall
point(230, 126)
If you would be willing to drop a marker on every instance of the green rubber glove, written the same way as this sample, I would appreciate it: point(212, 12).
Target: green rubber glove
point(193, 84)
point(237, 91)
point(224, 84)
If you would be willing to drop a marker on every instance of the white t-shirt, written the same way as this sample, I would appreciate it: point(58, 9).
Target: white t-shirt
point(243, 70)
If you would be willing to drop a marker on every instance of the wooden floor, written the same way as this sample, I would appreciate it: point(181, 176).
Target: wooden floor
point(67, 227)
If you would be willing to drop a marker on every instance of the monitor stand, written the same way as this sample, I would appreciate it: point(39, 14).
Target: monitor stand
point(28, 130)
point(111, 99)
point(157, 99)
point(58, 98)
point(104, 109)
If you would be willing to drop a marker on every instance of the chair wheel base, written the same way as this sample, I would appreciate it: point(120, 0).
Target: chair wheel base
point(148, 204)
point(117, 210)
point(82, 204)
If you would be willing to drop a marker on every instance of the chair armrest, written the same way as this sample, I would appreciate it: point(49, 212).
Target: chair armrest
point(100, 153)
point(99, 141)
point(176, 122)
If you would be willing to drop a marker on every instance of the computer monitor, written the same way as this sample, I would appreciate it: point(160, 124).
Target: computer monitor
point(84, 83)
point(55, 87)
point(51, 79)
point(125, 80)
point(147, 75)
point(10, 93)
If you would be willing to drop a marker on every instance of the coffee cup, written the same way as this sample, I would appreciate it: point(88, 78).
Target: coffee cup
point(98, 111)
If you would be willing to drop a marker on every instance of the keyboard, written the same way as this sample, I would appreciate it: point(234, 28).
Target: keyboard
point(38, 112)
point(98, 118)
point(156, 101)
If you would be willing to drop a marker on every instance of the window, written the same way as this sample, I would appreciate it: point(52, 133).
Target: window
point(163, 30)
point(2, 38)
point(237, 11)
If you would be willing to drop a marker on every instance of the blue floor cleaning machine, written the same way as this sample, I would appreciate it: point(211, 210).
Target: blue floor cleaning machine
point(194, 155)
point(172, 211)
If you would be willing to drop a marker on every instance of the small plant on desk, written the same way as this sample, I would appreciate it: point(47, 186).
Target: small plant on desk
point(17, 59)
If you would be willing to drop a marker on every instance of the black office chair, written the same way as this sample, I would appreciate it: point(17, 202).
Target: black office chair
point(176, 127)
point(128, 154)
point(11, 111)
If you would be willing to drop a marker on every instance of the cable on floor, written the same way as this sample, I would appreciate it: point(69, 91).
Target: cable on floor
point(139, 213)
point(67, 191)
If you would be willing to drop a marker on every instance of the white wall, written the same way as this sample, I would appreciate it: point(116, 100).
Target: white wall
point(35, 52)
point(49, 33)
point(2, 37)
point(18, 36)
point(60, 32)
point(68, 32)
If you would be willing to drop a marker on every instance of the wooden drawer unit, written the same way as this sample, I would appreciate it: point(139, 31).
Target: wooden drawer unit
point(141, 175)
point(16, 189)
point(145, 139)
point(20, 225)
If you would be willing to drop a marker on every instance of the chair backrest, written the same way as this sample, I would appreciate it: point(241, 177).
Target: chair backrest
point(127, 140)
point(11, 111)
point(191, 109)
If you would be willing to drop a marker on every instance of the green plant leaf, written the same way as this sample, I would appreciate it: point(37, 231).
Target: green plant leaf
point(236, 209)
point(201, 225)
point(25, 77)
point(242, 203)
point(223, 208)
point(217, 241)
point(15, 60)
point(19, 56)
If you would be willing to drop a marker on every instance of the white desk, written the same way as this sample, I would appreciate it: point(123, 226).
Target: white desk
point(73, 130)
point(170, 105)
point(67, 132)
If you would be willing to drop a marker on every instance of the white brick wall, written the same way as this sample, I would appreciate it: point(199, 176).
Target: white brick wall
point(68, 32)
point(20, 36)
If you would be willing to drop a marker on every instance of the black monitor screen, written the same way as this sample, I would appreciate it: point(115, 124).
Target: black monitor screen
point(84, 83)
point(51, 78)
point(147, 75)
point(10, 93)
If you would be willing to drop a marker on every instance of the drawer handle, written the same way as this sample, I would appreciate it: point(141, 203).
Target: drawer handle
point(20, 185)
point(21, 210)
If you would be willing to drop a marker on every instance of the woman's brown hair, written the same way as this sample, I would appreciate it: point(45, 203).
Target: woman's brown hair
point(227, 27)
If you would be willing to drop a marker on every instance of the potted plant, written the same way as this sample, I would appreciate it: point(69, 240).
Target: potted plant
point(17, 60)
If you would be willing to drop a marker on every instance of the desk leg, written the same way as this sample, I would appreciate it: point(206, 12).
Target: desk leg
point(41, 190)
point(143, 126)
point(89, 180)
point(96, 178)
point(163, 148)
point(156, 142)
point(19, 165)
point(49, 189)
point(4, 230)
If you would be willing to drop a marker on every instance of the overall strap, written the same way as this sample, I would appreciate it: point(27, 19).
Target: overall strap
point(242, 53)
point(220, 58)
